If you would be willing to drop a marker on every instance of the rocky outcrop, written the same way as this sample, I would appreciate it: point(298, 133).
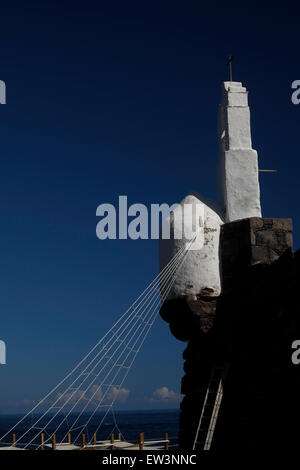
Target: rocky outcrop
point(252, 326)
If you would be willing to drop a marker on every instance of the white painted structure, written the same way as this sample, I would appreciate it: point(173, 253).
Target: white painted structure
point(238, 166)
point(239, 194)
point(201, 267)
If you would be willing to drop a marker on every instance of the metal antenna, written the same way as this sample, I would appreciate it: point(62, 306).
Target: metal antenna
point(229, 63)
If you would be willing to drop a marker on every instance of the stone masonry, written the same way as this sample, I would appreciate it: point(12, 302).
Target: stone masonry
point(252, 326)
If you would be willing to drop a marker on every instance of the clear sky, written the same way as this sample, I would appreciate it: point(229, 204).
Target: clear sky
point(120, 98)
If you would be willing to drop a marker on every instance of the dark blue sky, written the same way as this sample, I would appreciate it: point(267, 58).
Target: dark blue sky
point(120, 98)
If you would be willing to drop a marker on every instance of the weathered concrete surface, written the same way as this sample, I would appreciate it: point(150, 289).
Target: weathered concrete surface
point(238, 165)
point(201, 269)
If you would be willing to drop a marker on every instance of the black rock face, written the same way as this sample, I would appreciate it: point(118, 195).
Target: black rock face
point(252, 326)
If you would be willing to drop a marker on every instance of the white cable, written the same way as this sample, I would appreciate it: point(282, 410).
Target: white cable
point(145, 336)
point(152, 286)
point(143, 339)
point(84, 358)
point(149, 324)
point(164, 272)
point(173, 269)
point(60, 397)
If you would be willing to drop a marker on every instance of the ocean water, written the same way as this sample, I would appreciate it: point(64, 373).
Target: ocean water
point(153, 423)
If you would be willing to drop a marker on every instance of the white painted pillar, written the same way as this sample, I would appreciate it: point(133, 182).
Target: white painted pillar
point(238, 166)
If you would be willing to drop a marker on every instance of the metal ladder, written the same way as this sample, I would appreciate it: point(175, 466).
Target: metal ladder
point(211, 407)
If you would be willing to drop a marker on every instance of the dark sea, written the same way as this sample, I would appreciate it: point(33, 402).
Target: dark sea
point(153, 423)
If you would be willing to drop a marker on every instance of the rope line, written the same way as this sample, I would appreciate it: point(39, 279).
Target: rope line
point(93, 381)
point(124, 361)
point(114, 355)
point(126, 322)
point(145, 336)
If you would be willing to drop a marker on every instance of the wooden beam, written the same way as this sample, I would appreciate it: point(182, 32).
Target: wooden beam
point(141, 441)
point(54, 442)
point(166, 438)
point(112, 440)
point(42, 441)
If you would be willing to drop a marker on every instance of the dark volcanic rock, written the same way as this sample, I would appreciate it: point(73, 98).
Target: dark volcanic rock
point(252, 326)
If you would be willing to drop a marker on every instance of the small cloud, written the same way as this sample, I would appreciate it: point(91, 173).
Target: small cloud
point(25, 402)
point(164, 395)
point(95, 395)
point(121, 396)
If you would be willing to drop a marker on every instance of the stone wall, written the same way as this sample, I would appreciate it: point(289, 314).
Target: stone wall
point(252, 241)
point(252, 326)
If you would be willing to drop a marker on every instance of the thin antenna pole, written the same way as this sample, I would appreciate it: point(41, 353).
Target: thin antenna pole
point(229, 63)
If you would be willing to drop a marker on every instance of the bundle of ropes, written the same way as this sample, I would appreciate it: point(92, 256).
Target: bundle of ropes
point(93, 385)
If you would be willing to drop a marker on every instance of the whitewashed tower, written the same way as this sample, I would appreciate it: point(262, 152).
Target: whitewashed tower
point(223, 288)
point(239, 197)
point(238, 165)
